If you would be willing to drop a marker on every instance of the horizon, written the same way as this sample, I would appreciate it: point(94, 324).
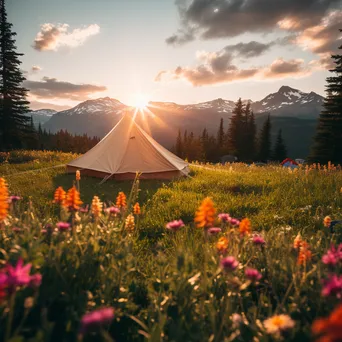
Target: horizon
point(172, 51)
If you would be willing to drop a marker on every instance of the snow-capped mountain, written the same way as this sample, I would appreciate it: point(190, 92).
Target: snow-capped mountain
point(291, 109)
point(41, 116)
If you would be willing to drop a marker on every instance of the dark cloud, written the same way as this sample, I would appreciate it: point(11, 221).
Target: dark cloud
point(210, 19)
point(281, 69)
point(50, 88)
point(249, 50)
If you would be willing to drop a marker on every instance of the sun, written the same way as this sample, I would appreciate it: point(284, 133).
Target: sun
point(140, 101)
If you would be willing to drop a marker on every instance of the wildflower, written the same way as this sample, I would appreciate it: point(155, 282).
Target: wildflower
point(329, 329)
point(18, 275)
point(78, 175)
point(224, 217)
point(73, 200)
point(229, 263)
point(253, 274)
point(175, 225)
point(205, 214)
point(136, 209)
point(121, 201)
point(222, 245)
point(35, 280)
point(94, 320)
point(278, 323)
point(327, 221)
point(63, 226)
point(129, 223)
point(214, 230)
point(297, 241)
point(16, 229)
point(112, 210)
point(245, 226)
point(236, 319)
point(3, 199)
point(59, 196)
point(258, 240)
point(304, 253)
point(96, 206)
point(333, 255)
point(28, 303)
point(234, 221)
point(332, 286)
point(14, 199)
point(85, 209)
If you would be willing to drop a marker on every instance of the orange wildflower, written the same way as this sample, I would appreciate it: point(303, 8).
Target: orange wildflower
point(73, 200)
point(245, 227)
point(121, 200)
point(205, 215)
point(136, 209)
point(327, 221)
point(222, 245)
point(129, 223)
point(4, 205)
point(304, 253)
point(59, 196)
point(297, 241)
point(329, 329)
point(96, 206)
point(78, 175)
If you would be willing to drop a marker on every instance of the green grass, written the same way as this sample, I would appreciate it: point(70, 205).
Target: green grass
point(169, 286)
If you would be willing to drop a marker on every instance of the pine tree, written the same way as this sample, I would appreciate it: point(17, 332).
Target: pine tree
point(280, 151)
point(328, 140)
point(13, 121)
point(220, 137)
point(235, 131)
point(179, 145)
point(251, 139)
point(265, 141)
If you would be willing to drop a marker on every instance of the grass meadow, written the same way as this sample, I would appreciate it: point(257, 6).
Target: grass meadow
point(116, 272)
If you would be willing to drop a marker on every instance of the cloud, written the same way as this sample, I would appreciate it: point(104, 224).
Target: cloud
point(220, 67)
point(210, 19)
point(35, 68)
point(51, 88)
point(52, 37)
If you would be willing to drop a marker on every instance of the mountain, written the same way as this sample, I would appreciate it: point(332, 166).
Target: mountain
point(292, 110)
point(41, 116)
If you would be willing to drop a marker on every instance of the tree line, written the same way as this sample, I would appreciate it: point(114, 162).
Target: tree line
point(240, 140)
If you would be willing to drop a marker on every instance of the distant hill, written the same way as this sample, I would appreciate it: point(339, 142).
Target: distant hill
point(41, 116)
point(292, 110)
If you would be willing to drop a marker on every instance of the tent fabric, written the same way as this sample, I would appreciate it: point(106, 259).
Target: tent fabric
point(128, 149)
point(288, 161)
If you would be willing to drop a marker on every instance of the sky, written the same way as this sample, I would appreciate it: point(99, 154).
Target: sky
point(183, 51)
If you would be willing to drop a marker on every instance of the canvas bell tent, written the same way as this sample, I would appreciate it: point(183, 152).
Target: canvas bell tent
point(126, 150)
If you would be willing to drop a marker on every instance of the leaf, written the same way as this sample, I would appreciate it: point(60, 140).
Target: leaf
point(136, 320)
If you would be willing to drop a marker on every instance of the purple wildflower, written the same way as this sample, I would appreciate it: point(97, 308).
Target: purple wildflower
point(96, 319)
point(175, 225)
point(214, 230)
point(229, 263)
point(14, 199)
point(63, 226)
point(35, 280)
point(332, 286)
point(258, 240)
point(224, 217)
point(234, 221)
point(253, 274)
point(17, 276)
point(112, 210)
point(333, 255)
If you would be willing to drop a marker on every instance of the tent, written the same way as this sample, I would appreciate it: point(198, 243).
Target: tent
point(128, 149)
point(288, 162)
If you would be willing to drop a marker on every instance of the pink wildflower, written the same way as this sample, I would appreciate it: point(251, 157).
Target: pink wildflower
point(333, 286)
point(63, 226)
point(253, 274)
point(96, 319)
point(14, 199)
point(112, 210)
point(35, 280)
point(258, 240)
point(333, 255)
point(214, 230)
point(16, 276)
point(229, 263)
point(175, 225)
point(16, 229)
point(224, 217)
point(85, 209)
point(234, 221)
